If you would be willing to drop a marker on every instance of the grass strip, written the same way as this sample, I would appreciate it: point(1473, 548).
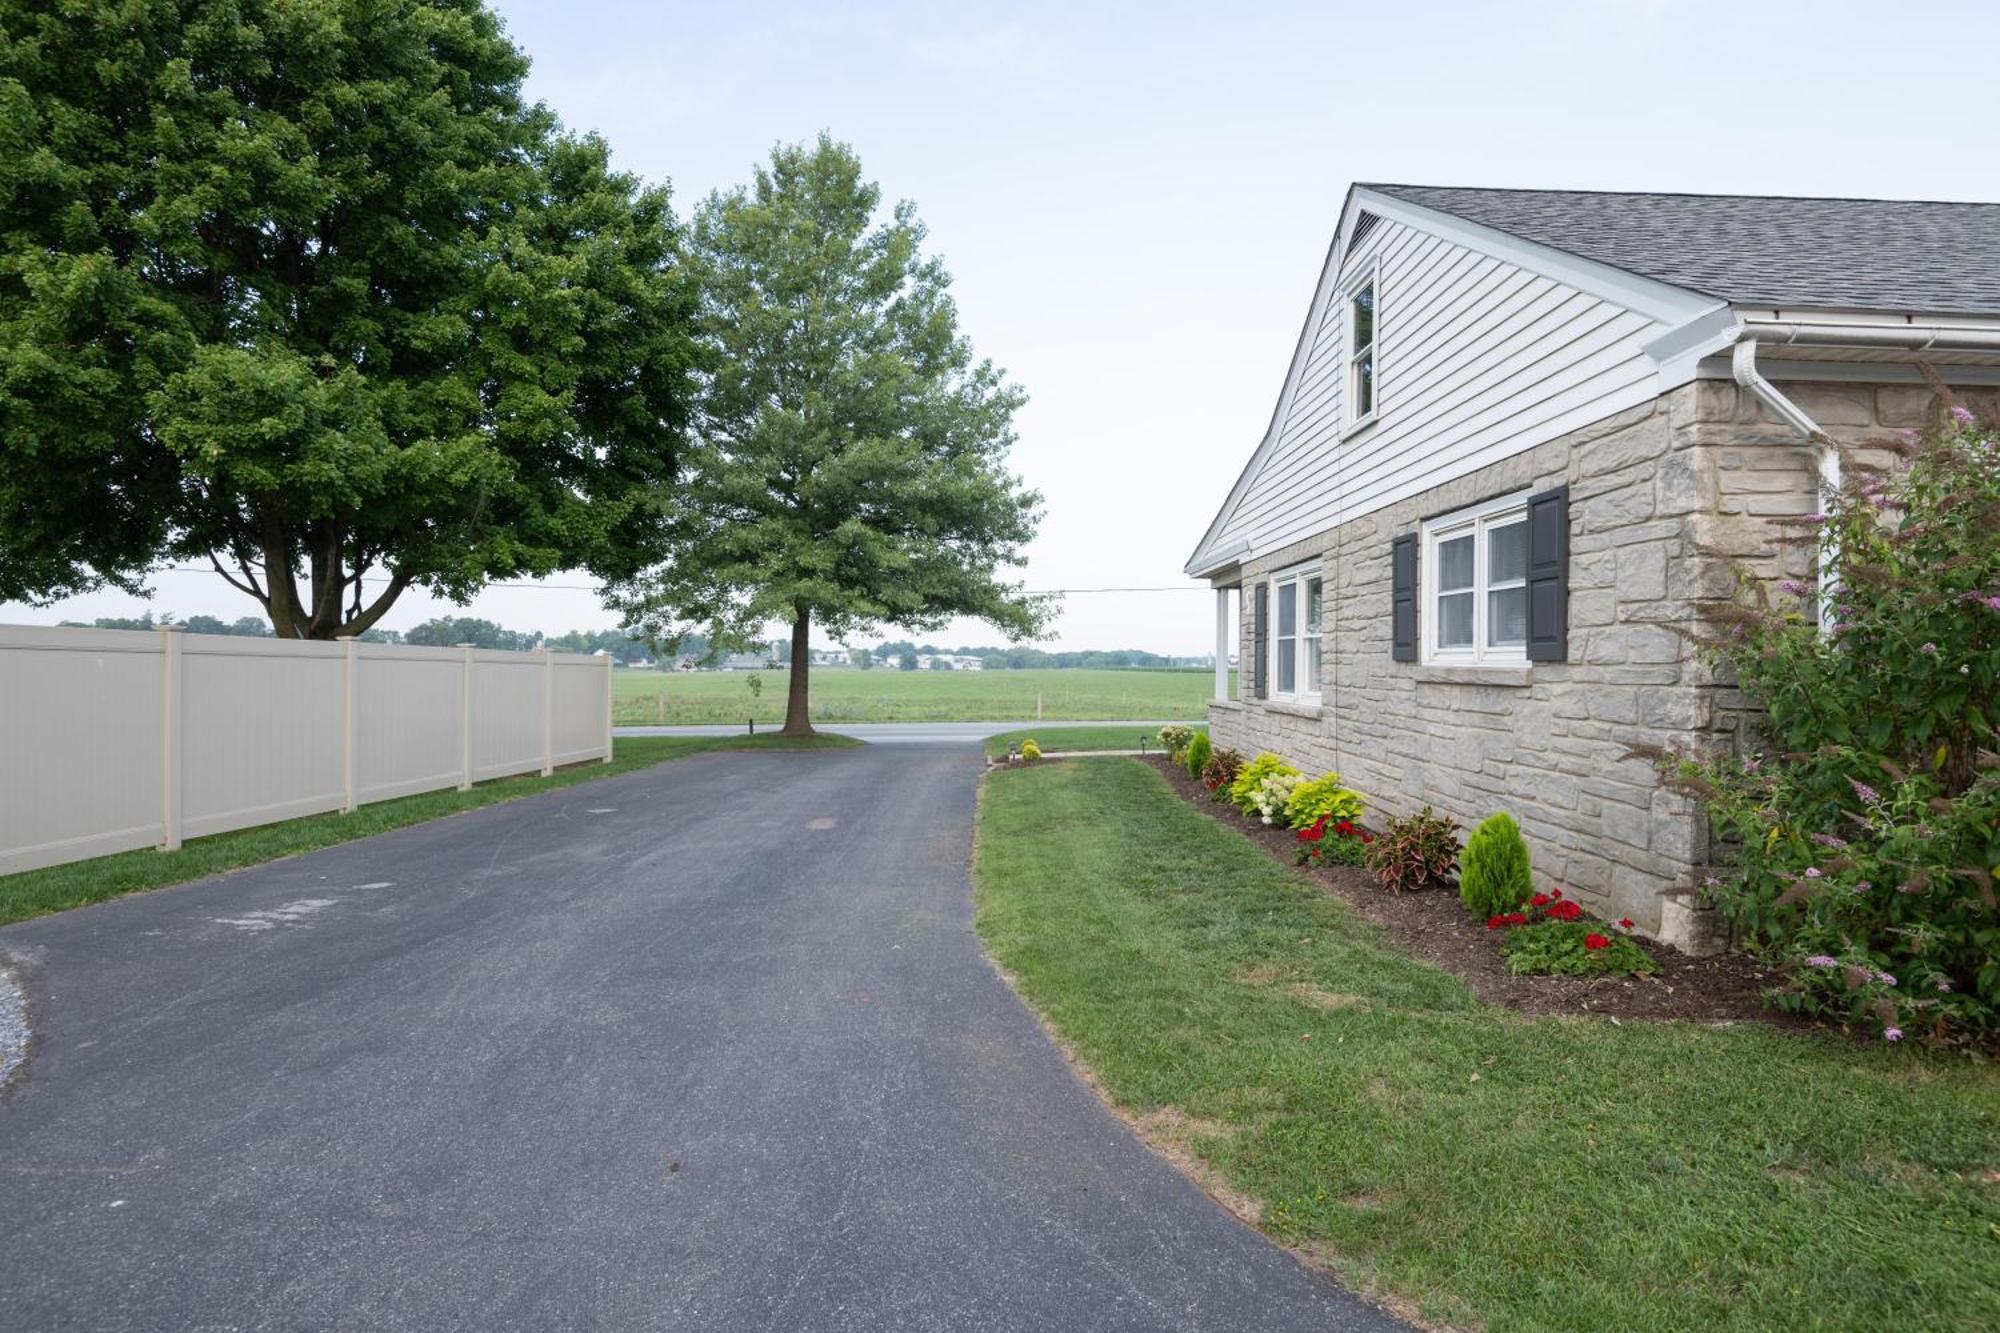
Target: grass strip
point(36, 892)
point(1473, 1165)
point(1125, 736)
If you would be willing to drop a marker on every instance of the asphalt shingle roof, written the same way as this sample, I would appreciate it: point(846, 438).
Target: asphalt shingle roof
point(1860, 254)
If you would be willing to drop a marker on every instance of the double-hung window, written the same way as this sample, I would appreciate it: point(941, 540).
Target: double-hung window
point(1361, 327)
point(1295, 648)
point(1475, 574)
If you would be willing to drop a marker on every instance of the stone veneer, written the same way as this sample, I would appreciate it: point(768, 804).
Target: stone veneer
point(1666, 501)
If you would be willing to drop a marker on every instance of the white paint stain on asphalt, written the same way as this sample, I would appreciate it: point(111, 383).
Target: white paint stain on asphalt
point(378, 884)
point(602, 810)
point(820, 825)
point(291, 914)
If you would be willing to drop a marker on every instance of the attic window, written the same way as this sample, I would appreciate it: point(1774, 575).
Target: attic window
point(1361, 386)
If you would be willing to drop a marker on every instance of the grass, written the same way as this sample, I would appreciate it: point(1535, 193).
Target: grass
point(1078, 738)
point(844, 694)
point(36, 892)
point(1470, 1164)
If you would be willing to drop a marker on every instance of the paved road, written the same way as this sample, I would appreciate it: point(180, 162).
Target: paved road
point(912, 733)
point(706, 1046)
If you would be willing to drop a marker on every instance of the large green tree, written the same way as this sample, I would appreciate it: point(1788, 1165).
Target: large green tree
point(305, 289)
point(850, 467)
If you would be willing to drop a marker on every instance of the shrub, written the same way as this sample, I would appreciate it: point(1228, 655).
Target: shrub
point(1273, 796)
point(1493, 875)
point(1573, 948)
point(1243, 790)
point(1198, 752)
point(1220, 772)
point(1323, 798)
point(1867, 834)
point(1175, 737)
point(1332, 842)
point(1030, 751)
point(1416, 852)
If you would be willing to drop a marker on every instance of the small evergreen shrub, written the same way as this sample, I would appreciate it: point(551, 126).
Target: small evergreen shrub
point(1243, 791)
point(1322, 798)
point(1493, 876)
point(1198, 751)
point(1416, 852)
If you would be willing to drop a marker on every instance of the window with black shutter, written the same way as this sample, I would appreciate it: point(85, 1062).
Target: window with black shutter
point(1257, 640)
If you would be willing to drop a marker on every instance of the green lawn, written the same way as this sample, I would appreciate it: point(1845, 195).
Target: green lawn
point(35, 892)
point(844, 694)
point(1078, 738)
point(1475, 1165)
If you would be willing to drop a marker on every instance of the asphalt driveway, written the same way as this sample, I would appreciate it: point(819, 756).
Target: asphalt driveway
point(707, 1046)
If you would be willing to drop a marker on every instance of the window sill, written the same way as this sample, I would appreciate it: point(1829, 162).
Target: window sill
point(1357, 427)
point(1227, 705)
point(1509, 677)
point(1291, 707)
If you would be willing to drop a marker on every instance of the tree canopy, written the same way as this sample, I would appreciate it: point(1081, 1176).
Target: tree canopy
point(310, 290)
point(850, 465)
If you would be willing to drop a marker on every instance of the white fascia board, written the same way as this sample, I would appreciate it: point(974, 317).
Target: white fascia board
point(1329, 269)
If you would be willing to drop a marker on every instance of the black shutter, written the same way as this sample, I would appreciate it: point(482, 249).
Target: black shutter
point(1257, 638)
point(1403, 599)
point(1548, 576)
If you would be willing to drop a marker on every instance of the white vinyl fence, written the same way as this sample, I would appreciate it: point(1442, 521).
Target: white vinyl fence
point(116, 739)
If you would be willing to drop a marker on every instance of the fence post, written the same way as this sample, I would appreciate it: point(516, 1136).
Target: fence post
point(465, 717)
point(170, 738)
point(609, 687)
point(548, 710)
point(348, 725)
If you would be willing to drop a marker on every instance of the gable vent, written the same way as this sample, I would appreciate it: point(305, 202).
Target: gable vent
point(1362, 226)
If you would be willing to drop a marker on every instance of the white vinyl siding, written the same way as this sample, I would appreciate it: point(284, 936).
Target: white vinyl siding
point(1475, 359)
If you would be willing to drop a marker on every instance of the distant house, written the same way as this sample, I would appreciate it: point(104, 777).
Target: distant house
point(950, 662)
point(1524, 441)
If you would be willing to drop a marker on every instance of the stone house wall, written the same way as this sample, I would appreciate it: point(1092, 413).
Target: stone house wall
point(1666, 502)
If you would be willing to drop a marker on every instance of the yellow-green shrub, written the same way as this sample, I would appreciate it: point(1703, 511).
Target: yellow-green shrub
point(1243, 791)
point(1322, 798)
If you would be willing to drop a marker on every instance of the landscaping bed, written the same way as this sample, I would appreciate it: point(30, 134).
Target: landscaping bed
point(1469, 1165)
point(1434, 926)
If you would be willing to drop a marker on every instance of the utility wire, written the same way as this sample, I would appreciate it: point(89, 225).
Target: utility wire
point(591, 587)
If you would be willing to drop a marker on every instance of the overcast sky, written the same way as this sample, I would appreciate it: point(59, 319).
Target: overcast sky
point(1135, 198)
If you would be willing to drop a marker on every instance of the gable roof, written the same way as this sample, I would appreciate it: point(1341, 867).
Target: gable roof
point(1851, 254)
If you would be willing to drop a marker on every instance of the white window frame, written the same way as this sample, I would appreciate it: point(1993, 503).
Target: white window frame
point(1304, 645)
point(1476, 521)
point(1364, 277)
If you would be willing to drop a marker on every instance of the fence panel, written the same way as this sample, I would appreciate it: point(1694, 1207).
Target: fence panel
point(112, 740)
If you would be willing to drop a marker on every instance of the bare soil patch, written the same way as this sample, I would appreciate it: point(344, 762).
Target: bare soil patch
point(1436, 928)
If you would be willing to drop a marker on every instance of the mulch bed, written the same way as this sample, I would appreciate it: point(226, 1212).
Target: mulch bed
point(1436, 928)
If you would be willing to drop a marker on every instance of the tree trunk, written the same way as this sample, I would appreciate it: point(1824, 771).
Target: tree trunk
point(797, 720)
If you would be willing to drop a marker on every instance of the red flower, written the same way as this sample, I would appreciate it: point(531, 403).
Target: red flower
point(1565, 911)
point(1495, 922)
point(1595, 941)
point(1624, 923)
point(1345, 828)
point(1539, 900)
point(1313, 834)
point(1557, 894)
point(1516, 918)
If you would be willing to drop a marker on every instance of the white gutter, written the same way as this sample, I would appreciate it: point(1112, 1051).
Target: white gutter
point(1907, 337)
point(1743, 365)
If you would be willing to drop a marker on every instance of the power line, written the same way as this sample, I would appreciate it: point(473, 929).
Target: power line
point(591, 587)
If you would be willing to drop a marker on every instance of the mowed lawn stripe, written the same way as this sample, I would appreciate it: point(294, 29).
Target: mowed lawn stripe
point(845, 694)
point(1480, 1166)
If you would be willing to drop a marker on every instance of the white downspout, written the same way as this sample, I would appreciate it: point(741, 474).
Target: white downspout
point(1743, 364)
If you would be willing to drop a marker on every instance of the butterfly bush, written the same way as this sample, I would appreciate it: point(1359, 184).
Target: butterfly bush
point(1865, 826)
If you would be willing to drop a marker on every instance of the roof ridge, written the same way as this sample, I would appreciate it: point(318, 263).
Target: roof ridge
point(1677, 194)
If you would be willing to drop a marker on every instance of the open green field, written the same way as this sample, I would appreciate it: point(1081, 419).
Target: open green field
point(1477, 1166)
point(34, 892)
point(844, 694)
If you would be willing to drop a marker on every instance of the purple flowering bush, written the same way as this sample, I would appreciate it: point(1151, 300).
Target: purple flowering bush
point(1866, 835)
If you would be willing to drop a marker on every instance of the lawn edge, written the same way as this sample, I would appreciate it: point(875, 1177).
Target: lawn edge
point(1176, 1150)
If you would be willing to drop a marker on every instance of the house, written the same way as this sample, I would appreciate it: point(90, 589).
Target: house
point(1526, 440)
point(950, 662)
